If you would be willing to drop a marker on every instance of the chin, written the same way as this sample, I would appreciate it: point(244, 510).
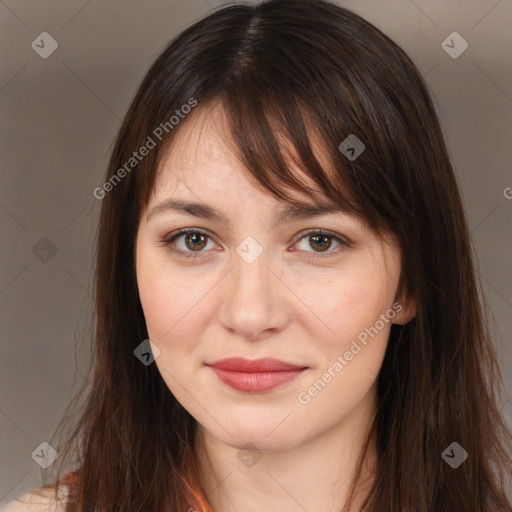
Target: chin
point(261, 443)
point(265, 437)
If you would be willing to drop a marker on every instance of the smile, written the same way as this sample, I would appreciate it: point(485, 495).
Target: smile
point(255, 375)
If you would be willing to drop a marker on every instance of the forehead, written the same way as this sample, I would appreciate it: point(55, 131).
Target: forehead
point(201, 173)
point(203, 156)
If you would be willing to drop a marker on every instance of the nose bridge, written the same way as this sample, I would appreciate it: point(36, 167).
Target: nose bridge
point(251, 274)
point(251, 305)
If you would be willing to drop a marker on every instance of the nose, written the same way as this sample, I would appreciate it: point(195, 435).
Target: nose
point(254, 302)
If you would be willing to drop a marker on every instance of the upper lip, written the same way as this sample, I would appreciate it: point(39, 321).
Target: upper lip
point(265, 364)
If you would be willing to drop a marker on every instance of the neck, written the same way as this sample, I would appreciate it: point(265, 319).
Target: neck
point(315, 475)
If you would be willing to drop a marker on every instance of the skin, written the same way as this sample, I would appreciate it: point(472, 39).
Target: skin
point(286, 304)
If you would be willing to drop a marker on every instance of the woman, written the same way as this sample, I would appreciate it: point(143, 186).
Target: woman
point(281, 219)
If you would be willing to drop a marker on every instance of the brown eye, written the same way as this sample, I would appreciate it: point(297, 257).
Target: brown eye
point(188, 242)
point(321, 242)
point(195, 241)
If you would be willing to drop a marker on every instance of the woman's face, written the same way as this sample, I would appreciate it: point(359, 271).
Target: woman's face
point(243, 285)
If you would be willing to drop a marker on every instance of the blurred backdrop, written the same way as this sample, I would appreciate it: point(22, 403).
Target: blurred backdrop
point(69, 70)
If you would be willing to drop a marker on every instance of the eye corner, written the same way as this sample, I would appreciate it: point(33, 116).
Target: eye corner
point(343, 241)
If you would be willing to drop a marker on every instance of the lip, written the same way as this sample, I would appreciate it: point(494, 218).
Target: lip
point(255, 375)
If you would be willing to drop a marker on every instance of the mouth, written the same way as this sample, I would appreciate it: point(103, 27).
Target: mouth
point(255, 375)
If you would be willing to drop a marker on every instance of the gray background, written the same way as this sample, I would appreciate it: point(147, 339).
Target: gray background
point(60, 115)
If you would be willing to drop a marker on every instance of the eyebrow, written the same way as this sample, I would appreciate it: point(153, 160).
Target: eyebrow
point(293, 211)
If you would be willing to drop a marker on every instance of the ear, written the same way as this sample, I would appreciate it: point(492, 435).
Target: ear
point(406, 309)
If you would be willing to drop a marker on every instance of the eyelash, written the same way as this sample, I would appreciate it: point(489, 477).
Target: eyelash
point(189, 254)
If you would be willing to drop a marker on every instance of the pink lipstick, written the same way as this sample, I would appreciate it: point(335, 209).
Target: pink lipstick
point(255, 375)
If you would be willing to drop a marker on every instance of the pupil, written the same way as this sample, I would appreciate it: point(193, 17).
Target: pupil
point(317, 237)
point(195, 238)
point(198, 241)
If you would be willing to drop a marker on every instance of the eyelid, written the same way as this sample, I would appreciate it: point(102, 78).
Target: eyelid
point(341, 239)
point(169, 239)
point(320, 231)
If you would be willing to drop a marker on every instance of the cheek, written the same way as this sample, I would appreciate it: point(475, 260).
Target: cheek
point(173, 302)
point(348, 305)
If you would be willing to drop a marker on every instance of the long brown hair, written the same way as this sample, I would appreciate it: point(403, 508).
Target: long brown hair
point(280, 69)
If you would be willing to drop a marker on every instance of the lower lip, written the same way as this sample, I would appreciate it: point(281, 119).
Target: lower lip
point(256, 381)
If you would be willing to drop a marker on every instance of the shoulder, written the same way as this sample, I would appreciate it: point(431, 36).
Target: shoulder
point(36, 500)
